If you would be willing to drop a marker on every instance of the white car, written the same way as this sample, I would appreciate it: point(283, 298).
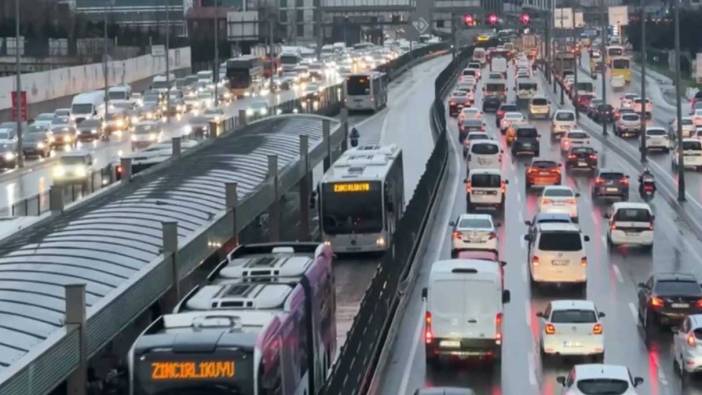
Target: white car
point(630, 223)
point(574, 138)
point(470, 113)
point(562, 122)
point(484, 154)
point(511, 118)
point(485, 188)
point(539, 107)
point(73, 167)
point(688, 126)
point(473, 232)
point(692, 154)
point(638, 102)
point(657, 138)
point(598, 378)
point(627, 100)
point(557, 255)
point(697, 117)
point(687, 346)
point(146, 133)
point(559, 199)
point(572, 328)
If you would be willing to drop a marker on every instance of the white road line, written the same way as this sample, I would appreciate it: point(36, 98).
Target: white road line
point(617, 273)
point(516, 180)
point(634, 312)
point(532, 368)
point(413, 352)
point(519, 199)
point(384, 128)
point(604, 238)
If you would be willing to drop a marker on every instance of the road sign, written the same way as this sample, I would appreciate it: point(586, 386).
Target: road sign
point(618, 16)
point(420, 24)
point(563, 18)
point(579, 19)
point(158, 50)
point(22, 105)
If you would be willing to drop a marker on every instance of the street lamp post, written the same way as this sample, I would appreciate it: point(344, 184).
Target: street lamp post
point(576, 55)
point(678, 107)
point(643, 82)
point(168, 69)
point(105, 68)
point(215, 72)
point(603, 65)
point(18, 90)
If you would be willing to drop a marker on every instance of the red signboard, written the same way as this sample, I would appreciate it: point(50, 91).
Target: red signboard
point(23, 110)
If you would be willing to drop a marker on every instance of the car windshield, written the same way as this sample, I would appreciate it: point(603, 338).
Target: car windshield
point(677, 287)
point(458, 93)
point(5, 134)
point(36, 130)
point(583, 150)
point(486, 180)
point(573, 316)
point(539, 102)
point(478, 136)
point(656, 132)
point(475, 223)
point(527, 133)
point(686, 121)
point(689, 145)
point(144, 128)
point(602, 386)
point(544, 164)
point(484, 149)
point(73, 160)
point(508, 107)
point(612, 176)
point(565, 116)
point(633, 215)
point(560, 241)
point(558, 192)
point(47, 116)
point(60, 120)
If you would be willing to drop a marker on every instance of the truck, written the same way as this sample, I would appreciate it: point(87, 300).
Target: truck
point(529, 45)
point(245, 75)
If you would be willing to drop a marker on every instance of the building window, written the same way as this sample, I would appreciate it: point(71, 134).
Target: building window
point(300, 30)
point(299, 3)
point(283, 17)
point(283, 3)
point(300, 16)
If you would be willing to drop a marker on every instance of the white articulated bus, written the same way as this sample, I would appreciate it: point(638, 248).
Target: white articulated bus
point(361, 199)
point(366, 91)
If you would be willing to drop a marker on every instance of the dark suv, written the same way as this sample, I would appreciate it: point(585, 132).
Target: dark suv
point(581, 158)
point(526, 141)
point(610, 183)
point(491, 103)
point(667, 298)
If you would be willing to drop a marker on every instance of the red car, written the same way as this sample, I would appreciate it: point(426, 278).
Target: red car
point(543, 172)
point(584, 101)
point(457, 101)
point(504, 107)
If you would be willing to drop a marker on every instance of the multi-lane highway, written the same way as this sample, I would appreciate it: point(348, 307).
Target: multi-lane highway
point(613, 275)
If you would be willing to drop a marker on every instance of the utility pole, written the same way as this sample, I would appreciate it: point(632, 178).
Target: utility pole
point(453, 36)
point(104, 68)
point(320, 32)
point(576, 55)
point(215, 72)
point(643, 82)
point(18, 91)
point(168, 69)
point(547, 36)
point(678, 106)
point(603, 65)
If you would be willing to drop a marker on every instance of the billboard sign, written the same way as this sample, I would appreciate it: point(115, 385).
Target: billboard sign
point(563, 18)
point(22, 103)
point(618, 16)
point(579, 19)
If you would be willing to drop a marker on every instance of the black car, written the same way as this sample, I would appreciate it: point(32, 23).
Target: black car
point(603, 113)
point(491, 104)
point(610, 183)
point(526, 141)
point(581, 158)
point(89, 130)
point(667, 298)
point(36, 142)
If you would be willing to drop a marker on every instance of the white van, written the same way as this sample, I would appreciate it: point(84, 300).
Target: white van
point(499, 65)
point(526, 89)
point(121, 93)
point(89, 105)
point(463, 310)
point(160, 84)
point(692, 154)
point(630, 223)
point(557, 255)
point(485, 188)
point(205, 75)
point(484, 154)
point(479, 55)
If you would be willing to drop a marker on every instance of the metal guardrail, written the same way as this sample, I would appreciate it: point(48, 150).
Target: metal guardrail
point(353, 370)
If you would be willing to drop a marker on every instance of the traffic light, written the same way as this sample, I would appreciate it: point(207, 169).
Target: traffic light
point(468, 20)
point(524, 19)
point(492, 19)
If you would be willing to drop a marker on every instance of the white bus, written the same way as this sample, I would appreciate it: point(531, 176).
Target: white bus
point(366, 91)
point(268, 334)
point(361, 199)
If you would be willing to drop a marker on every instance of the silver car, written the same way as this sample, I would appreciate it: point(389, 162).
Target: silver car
point(628, 124)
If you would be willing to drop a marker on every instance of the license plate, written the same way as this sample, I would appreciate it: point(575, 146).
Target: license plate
point(632, 233)
point(450, 343)
point(543, 173)
point(611, 189)
point(559, 262)
point(568, 344)
point(479, 192)
point(580, 163)
point(681, 305)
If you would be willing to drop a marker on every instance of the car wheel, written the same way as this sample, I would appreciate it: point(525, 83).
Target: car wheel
point(598, 358)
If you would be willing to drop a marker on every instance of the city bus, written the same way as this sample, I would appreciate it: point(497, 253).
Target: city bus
point(613, 51)
point(621, 67)
point(269, 328)
point(361, 199)
point(245, 75)
point(564, 63)
point(366, 91)
point(595, 60)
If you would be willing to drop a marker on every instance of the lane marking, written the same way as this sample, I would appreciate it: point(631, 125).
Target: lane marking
point(532, 368)
point(519, 200)
point(634, 312)
point(617, 273)
point(413, 351)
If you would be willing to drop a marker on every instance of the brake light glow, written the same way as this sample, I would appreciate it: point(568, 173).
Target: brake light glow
point(698, 304)
point(625, 181)
point(599, 181)
point(571, 201)
point(593, 156)
point(546, 201)
point(550, 329)
point(691, 341)
point(469, 187)
point(498, 328)
point(583, 261)
point(535, 261)
point(457, 235)
point(503, 187)
point(571, 156)
point(597, 329)
point(428, 335)
point(656, 302)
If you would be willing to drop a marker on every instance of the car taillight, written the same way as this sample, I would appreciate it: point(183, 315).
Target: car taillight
point(457, 235)
point(119, 169)
point(492, 235)
point(593, 156)
point(469, 187)
point(550, 329)
point(583, 261)
point(546, 201)
point(428, 335)
point(452, 103)
point(698, 304)
point(597, 329)
point(535, 261)
point(571, 201)
point(498, 328)
point(656, 302)
point(613, 226)
point(503, 187)
point(571, 156)
point(599, 181)
point(625, 181)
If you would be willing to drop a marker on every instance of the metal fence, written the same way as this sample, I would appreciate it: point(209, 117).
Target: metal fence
point(396, 66)
point(355, 366)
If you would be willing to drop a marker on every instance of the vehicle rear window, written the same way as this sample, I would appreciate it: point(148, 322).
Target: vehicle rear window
point(656, 132)
point(565, 116)
point(560, 241)
point(508, 108)
point(539, 102)
point(633, 215)
point(577, 135)
point(573, 316)
point(582, 150)
point(612, 175)
point(630, 117)
point(486, 180)
point(480, 223)
point(543, 164)
point(602, 386)
point(469, 72)
point(558, 192)
point(692, 145)
point(478, 136)
point(484, 149)
point(527, 132)
point(677, 287)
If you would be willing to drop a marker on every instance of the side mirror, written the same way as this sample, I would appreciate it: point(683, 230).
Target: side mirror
point(497, 224)
point(561, 380)
point(424, 293)
point(527, 223)
point(465, 181)
point(577, 194)
point(601, 315)
point(503, 263)
point(452, 223)
point(605, 214)
point(506, 182)
point(638, 381)
point(586, 238)
point(313, 200)
point(540, 314)
point(506, 296)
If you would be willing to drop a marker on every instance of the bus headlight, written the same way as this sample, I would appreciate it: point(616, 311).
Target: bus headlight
point(380, 241)
point(59, 171)
point(264, 111)
point(81, 171)
point(9, 156)
point(187, 129)
point(249, 112)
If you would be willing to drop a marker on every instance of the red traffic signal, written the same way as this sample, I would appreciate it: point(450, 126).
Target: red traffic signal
point(468, 20)
point(492, 19)
point(524, 19)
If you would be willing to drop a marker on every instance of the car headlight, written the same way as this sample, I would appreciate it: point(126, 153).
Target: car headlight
point(120, 123)
point(152, 137)
point(264, 111)
point(216, 119)
point(134, 137)
point(9, 155)
point(68, 138)
point(81, 171)
point(40, 145)
point(188, 129)
point(249, 112)
point(135, 119)
point(59, 171)
point(94, 131)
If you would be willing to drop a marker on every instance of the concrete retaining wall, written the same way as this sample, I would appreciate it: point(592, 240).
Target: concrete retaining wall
point(67, 81)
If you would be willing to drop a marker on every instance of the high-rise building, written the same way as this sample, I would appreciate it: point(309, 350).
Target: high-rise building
point(144, 14)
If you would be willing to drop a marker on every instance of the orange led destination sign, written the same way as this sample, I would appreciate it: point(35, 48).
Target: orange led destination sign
point(186, 370)
point(352, 187)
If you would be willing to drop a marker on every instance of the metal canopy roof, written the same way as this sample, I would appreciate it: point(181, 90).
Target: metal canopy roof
point(114, 240)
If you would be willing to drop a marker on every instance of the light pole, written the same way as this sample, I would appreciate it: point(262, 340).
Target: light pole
point(643, 81)
point(678, 106)
point(104, 67)
point(18, 91)
point(603, 65)
point(215, 72)
point(547, 36)
point(576, 54)
point(168, 69)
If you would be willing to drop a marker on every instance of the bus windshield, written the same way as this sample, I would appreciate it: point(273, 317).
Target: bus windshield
point(239, 78)
point(352, 207)
point(117, 95)
point(494, 87)
point(358, 85)
point(620, 63)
